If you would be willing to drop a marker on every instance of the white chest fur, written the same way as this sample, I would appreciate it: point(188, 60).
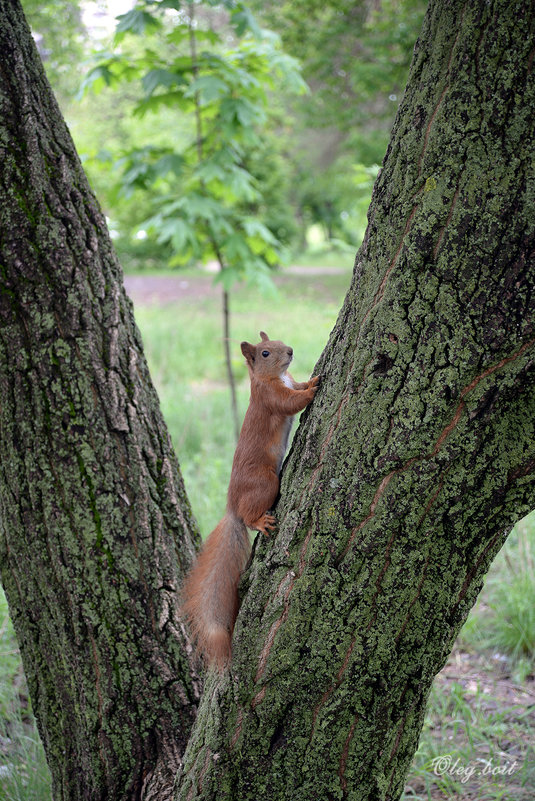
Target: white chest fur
point(285, 378)
point(282, 444)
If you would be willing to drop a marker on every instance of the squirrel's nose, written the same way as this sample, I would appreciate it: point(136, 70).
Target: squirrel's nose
point(290, 352)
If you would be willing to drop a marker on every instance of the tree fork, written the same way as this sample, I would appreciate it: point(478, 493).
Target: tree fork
point(96, 532)
point(417, 455)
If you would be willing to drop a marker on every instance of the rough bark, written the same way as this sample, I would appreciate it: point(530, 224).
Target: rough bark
point(418, 453)
point(95, 530)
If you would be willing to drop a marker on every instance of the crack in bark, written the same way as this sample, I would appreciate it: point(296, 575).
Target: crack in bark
point(345, 397)
point(345, 754)
point(448, 220)
point(293, 576)
point(237, 730)
point(430, 123)
point(441, 98)
point(440, 441)
point(469, 387)
point(379, 580)
point(413, 600)
point(100, 701)
point(398, 740)
point(329, 691)
point(259, 697)
point(473, 570)
point(433, 497)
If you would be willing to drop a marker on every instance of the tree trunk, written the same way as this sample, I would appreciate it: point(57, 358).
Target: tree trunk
point(417, 455)
point(96, 531)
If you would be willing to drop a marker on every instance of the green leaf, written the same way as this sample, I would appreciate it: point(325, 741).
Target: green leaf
point(175, 4)
point(243, 21)
point(200, 207)
point(257, 273)
point(161, 77)
point(97, 78)
point(178, 233)
point(255, 228)
point(182, 32)
point(240, 111)
point(137, 22)
point(171, 162)
point(211, 170)
point(181, 64)
point(228, 276)
point(173, 99)
point(220, 226)
point(195, 207)
point(209, 88)
point(138, 176)
point(107, 73)
point(236, 250)
point(265, 284)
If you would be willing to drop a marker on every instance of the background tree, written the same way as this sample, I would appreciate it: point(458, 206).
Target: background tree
point(416, 457)
point(355, 56)
point(61, 47)
point(209, 204)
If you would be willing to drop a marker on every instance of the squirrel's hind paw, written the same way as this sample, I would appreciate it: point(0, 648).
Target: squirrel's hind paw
point(264, 523)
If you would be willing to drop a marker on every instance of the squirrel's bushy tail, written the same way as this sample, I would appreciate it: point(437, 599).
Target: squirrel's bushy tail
point(210, 593)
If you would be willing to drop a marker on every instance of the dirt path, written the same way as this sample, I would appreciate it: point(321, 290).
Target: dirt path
point(160, 289)
point(146, 288)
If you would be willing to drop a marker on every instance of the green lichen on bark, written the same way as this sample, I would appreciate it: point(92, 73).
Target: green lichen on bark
point(96, 532)
point(417, 455)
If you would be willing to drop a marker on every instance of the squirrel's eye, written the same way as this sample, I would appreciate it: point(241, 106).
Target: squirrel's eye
point(265, 353)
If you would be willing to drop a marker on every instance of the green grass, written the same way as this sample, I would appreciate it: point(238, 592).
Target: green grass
point(475, 744)
point(481, 705)
point(503, 618)
point(24, 773)
point(322, 257)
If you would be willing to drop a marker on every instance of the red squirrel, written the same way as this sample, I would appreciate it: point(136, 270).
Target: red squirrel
point(210, 593)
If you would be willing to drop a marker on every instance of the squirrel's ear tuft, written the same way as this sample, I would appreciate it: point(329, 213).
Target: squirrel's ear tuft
point(263, 336)
point(248, 351)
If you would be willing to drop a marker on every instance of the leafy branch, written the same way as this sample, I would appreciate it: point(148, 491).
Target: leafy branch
point(218, 78)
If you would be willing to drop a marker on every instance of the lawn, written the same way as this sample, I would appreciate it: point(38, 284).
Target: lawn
point(478, 736)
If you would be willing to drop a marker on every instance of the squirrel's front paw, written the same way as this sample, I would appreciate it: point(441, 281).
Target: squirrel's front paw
point(314, 381)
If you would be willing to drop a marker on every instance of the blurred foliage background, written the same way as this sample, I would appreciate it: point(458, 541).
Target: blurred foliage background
point(315, 88)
